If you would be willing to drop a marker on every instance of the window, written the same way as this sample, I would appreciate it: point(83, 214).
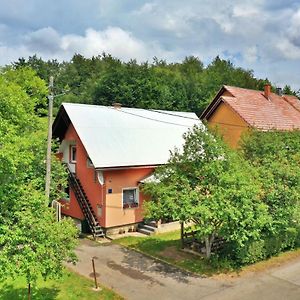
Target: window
point(130, 198)
point(67, 192)
point(89, 163)
point(73, 154)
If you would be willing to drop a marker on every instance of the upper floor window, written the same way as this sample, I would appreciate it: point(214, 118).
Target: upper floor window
point(73, 154)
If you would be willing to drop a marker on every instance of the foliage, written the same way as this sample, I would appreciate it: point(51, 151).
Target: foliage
point(276, 157)
point(32, 242)
point(210, 185)
point(266, 246)
point(186, 85)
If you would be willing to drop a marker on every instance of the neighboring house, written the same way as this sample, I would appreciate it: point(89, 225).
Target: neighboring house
point(109, 151)
point(234, 110)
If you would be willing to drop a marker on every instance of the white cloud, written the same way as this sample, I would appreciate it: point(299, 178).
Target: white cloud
point(251, 54)
point(113, 40)
point(254, 34)
point(288, 49)
point(47, 43)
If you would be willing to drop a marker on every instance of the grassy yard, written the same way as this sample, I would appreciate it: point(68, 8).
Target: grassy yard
point(70, 287)
point(166, 246)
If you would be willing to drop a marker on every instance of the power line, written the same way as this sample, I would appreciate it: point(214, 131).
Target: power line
point(234, 125)
point(167, 113)
point(153, 119)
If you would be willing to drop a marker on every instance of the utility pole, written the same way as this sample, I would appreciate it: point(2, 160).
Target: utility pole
point(48, 159)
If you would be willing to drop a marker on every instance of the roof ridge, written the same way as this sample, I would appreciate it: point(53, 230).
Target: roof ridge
point(132, 108)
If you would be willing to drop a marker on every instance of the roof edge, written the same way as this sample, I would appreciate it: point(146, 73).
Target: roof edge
point(213, 104)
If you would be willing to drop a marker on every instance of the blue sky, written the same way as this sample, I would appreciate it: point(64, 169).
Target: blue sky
point(263, 35)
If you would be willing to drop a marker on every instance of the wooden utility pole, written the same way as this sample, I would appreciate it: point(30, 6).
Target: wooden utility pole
point(48, 159)
point(94, 273)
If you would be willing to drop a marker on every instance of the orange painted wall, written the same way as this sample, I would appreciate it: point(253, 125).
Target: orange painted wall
point(86, 175)
point(229, 123)
point(113, 213)
point(117, 180)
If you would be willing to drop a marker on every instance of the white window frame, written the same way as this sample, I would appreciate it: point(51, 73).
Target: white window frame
point(137, 196)
point(89, 163)
point(71, 153)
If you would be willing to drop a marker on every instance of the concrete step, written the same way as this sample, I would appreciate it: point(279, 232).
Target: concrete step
point(148, 227)
point(152, 223)
point(145, 231)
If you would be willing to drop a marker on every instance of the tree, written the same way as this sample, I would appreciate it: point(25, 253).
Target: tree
point(32, 242)
point(208, 184)
point(275, 155)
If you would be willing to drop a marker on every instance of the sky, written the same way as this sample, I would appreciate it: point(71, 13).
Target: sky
point(262, 35)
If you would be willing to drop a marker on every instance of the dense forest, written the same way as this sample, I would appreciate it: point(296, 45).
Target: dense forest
point(102, 80)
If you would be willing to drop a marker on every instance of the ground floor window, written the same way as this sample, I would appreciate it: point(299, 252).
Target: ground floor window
point(130, 198)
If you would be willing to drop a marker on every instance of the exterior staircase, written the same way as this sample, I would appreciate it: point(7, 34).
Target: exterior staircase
point(85, 205)
point(146, 229)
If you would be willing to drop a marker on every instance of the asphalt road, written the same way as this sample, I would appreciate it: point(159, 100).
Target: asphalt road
point(138, 277)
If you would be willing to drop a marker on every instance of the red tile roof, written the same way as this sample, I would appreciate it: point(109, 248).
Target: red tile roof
point(277, 112)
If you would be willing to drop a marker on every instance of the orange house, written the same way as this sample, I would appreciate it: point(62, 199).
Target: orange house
point(109, 151)
point(234, 110)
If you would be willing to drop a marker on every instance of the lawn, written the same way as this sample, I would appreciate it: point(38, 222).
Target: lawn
point(166, 246)
point(70, 287)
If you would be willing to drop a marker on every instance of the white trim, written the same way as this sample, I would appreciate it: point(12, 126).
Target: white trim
point(71, 152)
point(100, 177)
point(137, 193)
point(57, 206)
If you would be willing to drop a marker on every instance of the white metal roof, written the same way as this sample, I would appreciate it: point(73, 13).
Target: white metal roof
point(128, 136)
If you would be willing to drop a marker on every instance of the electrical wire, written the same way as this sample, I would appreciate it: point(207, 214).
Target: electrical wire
point(153, 119)
point(167, 113)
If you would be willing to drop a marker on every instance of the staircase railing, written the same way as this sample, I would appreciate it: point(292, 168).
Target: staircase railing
point(84, 204)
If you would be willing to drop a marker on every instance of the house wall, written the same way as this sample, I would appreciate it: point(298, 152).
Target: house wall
point(117, 180)
point(229, 123)
point(87, 177)
point(112, 212)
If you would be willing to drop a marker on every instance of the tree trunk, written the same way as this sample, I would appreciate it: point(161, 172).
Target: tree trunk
point(208, 244)
point(29, 291)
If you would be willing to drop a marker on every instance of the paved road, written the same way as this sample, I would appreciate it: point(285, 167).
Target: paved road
point(137, 277)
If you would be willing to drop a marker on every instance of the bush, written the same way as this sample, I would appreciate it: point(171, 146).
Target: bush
point(268, 245)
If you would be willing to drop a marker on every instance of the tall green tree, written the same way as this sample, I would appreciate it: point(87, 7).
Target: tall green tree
point(32, 242)
point(208, 184)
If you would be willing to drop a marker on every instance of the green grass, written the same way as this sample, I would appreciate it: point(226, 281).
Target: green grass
point(70, 287)
point(166, 246)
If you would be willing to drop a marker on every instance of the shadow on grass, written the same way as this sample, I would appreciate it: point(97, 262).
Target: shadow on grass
point(10, 292)
point(170, 250)
point(155, 245)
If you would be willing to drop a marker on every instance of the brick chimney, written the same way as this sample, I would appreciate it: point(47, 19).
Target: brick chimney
point(117, 105)
point(267, 91)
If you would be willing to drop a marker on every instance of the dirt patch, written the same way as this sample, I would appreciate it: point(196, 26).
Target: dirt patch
point(173, 253)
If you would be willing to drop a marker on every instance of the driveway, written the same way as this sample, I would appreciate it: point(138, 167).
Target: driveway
point(138, 277)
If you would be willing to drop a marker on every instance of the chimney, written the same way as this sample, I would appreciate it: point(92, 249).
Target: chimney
point(117, 105)
point(267, 91)
point(279, 91)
